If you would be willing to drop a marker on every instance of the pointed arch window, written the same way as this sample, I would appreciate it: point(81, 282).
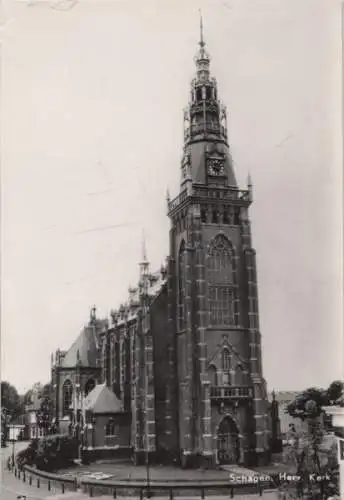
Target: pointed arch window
point(117, 367)
point(221, 261)
point(67, 394)
point(222, 289)
point(181, 287)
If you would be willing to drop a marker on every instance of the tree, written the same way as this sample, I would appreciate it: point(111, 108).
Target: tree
point(335, 392)
point(307, 454)
point(27, 398)
point(319, 398)
point(45, 413)
point(4, 426)
point(10, 399)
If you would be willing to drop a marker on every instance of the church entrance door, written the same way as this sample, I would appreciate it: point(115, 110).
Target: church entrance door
point(228, 447)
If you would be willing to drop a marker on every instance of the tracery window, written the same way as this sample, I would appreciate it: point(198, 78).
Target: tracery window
point(222, 290)
point(181, 286)
point(112, 362)
point(67, 393)
point(221, 305)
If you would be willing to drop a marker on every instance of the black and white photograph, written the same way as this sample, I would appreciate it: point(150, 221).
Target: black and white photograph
point(171, 249)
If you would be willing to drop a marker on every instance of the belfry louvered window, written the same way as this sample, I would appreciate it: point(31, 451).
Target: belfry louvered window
point(222, 289)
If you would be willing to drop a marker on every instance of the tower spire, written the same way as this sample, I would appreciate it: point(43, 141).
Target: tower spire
point(144, 264)
point(202, 58)
point(201, 40)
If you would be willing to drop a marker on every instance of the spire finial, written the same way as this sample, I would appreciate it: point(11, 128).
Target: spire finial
point(144, 250)
point(201, 40)
point(249, 179)
point(93, 314)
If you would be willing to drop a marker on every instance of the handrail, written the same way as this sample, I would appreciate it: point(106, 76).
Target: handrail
point(231, 392)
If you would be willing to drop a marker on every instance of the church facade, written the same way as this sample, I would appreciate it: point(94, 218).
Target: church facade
point(180, 363)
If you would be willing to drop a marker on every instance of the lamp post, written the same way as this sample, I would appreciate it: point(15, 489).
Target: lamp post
point(337, 413)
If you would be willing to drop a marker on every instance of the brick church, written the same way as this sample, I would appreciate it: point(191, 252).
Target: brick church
point(175, 373)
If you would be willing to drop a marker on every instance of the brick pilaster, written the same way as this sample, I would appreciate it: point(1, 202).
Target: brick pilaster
point(150, 433)
point(204, 407)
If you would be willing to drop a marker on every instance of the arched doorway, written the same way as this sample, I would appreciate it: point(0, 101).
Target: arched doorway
point(228, 445)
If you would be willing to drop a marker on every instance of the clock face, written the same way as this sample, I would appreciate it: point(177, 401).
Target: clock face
point(216, 166)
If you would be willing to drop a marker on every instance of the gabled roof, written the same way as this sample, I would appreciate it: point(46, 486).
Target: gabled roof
point(85, 349)
point(102, 400)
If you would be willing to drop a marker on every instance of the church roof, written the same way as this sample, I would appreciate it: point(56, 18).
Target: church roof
point(85, 348)
point(102, 400)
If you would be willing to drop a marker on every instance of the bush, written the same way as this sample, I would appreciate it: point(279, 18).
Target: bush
point(27, 456)
point(55, 452)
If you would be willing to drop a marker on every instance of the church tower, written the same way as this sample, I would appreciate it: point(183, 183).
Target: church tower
point(219, 400)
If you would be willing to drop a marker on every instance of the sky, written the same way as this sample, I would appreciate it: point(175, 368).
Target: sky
point(92, 100)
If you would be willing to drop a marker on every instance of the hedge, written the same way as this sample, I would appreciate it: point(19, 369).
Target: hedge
point(50, 452)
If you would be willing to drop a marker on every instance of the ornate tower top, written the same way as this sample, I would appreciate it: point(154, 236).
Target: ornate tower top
point(206, 158)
